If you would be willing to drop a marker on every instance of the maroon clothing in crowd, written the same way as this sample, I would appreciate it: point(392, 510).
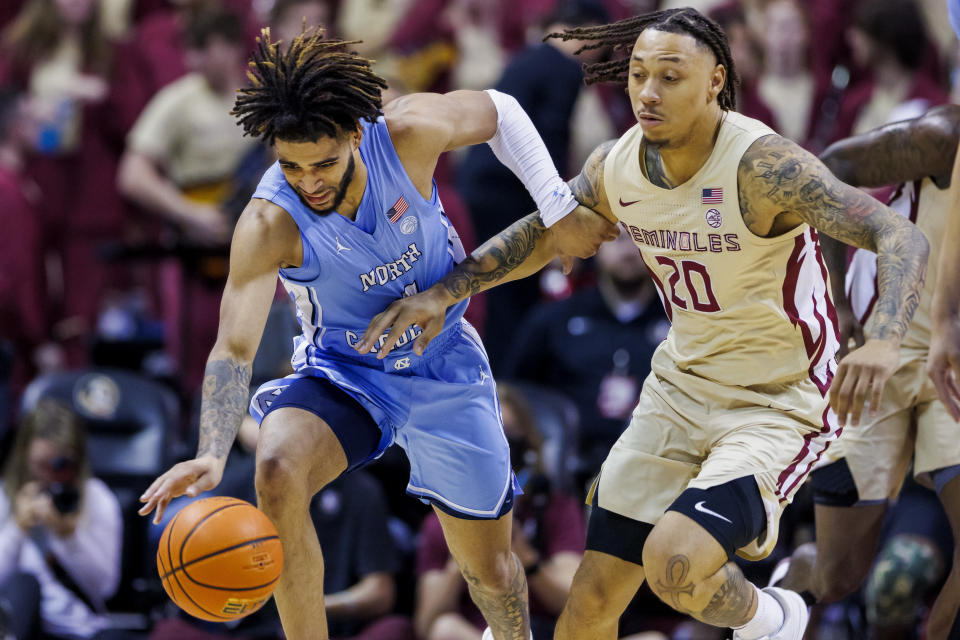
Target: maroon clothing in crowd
point(562, 527)
point(23, 284)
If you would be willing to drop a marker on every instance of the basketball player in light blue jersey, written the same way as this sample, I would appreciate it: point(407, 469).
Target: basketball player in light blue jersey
point(350, 218)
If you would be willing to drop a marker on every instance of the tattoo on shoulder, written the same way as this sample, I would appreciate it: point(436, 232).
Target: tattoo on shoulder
point(226, 384)
point(776, 174)
point(587, 186)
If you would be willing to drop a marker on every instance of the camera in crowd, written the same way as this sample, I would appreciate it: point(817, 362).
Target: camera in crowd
point(63, 492)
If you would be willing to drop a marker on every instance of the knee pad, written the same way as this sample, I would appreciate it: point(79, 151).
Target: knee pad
point(906, 569)
point(833, 485)
point(732, 512)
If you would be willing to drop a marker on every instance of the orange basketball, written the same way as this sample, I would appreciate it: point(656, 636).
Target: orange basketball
point(220, 559)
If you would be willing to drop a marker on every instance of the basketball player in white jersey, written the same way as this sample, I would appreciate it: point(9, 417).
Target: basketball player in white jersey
point(911, 425)
point(734, 414)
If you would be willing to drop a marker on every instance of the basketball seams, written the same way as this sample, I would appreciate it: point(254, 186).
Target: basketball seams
point(174, 575)
point(240, 545)
point(204, 600)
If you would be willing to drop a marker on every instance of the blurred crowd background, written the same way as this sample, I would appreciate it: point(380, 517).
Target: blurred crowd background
point(122, 175)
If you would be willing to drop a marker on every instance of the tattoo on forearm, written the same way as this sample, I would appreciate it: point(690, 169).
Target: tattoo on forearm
point(508, 614)
point(654, 166)
point(496, 258)
point(777, 174)
point(732, 603)
point(676, 582)
point(587, 186)
point(226, 384)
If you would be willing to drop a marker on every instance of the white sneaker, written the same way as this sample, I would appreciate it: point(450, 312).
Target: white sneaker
point(488, 635)
point(795, 615)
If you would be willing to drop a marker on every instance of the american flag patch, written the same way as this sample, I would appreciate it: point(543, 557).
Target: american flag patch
point(397, 210)
point(713, 195)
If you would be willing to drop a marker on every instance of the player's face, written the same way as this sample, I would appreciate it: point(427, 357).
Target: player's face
point(320, 171)
point(672, 81)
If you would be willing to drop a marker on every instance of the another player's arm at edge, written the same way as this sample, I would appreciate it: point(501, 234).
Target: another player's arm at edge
point(265, 239)
point(894, 153)
point(518, 251)
point(782, 184)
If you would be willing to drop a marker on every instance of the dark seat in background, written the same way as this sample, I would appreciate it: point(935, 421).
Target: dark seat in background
point(558, 420)
point(130, 424)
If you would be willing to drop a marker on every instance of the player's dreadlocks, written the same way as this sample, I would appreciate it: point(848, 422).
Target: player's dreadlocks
point(624, 34)
point(313, 88)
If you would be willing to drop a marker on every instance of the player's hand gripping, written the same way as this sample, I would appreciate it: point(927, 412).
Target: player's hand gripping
point(943, 364)
point(191, 477)
point(862, 374)
point(581, 232)
point(427, 310)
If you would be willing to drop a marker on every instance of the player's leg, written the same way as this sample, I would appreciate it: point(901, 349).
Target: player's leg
point(494, 575)
point(608, 577)
point(944, 619)
point(937, 464)
point(298, 453)
point(686, 560)
point(460, 463)
point(847, 533)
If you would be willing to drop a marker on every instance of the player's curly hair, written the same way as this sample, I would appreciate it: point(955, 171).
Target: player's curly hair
point(311, 89)
point(624, 34)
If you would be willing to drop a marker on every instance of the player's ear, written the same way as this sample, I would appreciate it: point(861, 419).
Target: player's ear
point(355, 137)
point(718, 78)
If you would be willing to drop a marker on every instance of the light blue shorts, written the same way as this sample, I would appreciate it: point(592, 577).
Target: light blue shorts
point(442, 409)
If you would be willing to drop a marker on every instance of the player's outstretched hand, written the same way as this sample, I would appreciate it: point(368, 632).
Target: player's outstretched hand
point(427, 310)
point(861, 376)
point(943, 365)
point(581, 232)
point(191, 477)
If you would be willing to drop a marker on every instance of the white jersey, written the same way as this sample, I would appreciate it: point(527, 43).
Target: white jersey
point(745, 310)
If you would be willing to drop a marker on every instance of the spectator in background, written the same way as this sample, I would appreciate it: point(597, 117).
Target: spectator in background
point(288, 17)
point(787, 84)
point(183, 162)
point(360, 560)
point(60, 525)
point(548, 538)
point(888, 39)
point(748, 58)
point(23, 301)
point(154, 54)
point(55, 51)
point(595, 347)
point(491, 192)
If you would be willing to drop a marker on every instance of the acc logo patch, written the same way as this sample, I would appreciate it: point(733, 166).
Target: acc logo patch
point(713, 217)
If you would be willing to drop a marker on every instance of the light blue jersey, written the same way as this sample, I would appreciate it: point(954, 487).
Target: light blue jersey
point(440, 407)
point(351, 271)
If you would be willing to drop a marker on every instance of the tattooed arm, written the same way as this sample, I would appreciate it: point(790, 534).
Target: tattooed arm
point(780, 186)
point(518, 251)
point(894, 153)
point(266, 238)
point(900, 151)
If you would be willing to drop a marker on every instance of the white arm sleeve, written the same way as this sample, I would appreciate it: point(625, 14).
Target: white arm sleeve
point(519, 147)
